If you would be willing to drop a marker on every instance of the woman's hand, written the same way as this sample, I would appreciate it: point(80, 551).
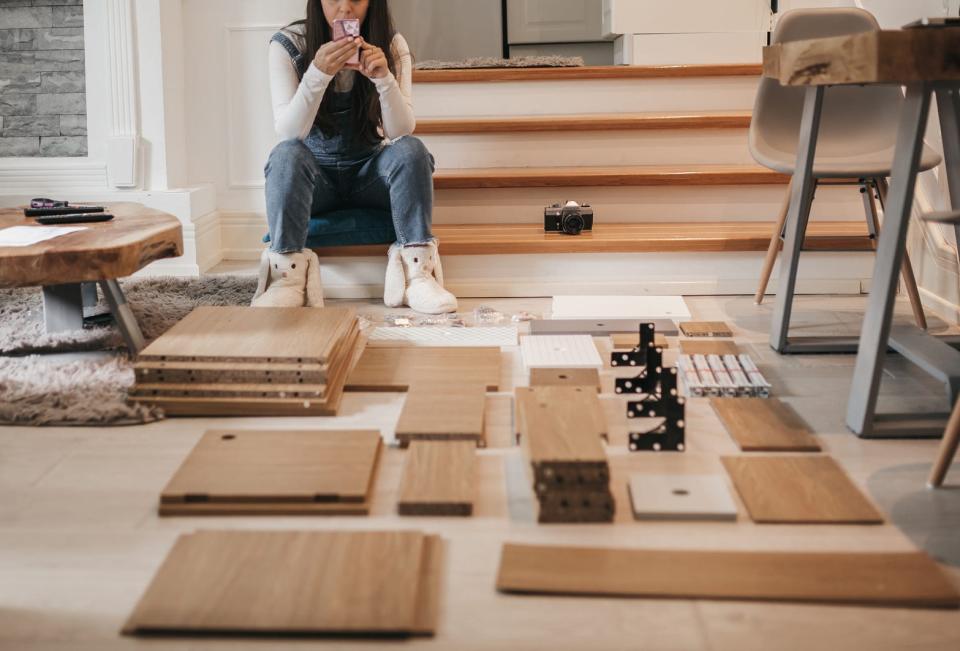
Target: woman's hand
point(333, 55)
point(373, 62)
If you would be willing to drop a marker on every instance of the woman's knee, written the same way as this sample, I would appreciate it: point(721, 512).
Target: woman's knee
point(411, 151)
point(288, 155)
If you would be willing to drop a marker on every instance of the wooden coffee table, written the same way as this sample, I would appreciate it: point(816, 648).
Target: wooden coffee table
point(68, 267)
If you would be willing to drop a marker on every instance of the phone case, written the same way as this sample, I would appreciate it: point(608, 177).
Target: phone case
point(347, 28)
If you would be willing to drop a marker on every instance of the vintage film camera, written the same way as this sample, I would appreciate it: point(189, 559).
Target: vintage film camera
point(571, 218)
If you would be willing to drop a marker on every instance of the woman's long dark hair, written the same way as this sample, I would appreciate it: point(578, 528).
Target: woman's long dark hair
point(376, 29)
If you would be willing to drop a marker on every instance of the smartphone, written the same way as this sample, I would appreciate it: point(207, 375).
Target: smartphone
point(348, 28)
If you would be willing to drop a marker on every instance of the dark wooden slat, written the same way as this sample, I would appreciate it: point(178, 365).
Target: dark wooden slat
point(598, 122)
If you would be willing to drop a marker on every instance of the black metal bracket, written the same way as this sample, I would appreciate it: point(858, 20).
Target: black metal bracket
point(637, 356)
point(665, 403)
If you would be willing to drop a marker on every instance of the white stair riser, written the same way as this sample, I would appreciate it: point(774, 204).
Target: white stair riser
point(575, 97)
point(641, 204)
point(590, 148)
point(622, 273)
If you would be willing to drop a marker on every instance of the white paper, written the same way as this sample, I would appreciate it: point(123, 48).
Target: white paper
point(620, 307)
point(29, 235)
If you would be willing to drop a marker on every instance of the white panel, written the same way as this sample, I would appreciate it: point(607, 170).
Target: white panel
point(435, 336)
point(250, 134)
point(554, 21)
point(590, 148)
point(578, 97)
point(620, 307)
point(450, 29)
point(559, 351)
point(681, 497)
point(690, 49)
point(700, 16)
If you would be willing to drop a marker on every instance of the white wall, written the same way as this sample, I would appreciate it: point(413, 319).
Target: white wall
point(450, 29)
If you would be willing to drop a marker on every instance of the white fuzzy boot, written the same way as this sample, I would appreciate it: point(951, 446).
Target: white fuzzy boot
point(289, 280)
point(415, 278)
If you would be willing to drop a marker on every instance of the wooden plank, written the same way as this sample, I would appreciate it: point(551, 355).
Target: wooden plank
point(448, 411)
point(799, 490)
point(239, 372)
point(591, 122)
point(321, 583)
point(277, 466)
point(430, 591)
point(252, 509)
point(630, 340)
point(871, 579)
point(439, 478)
point(560, 430)
point(705, 347)
point(135, 237)
point(396, 369)
point(231, 390)
point(565, 377)
point(874, 57)
point(705, 329)
point(619, 176)
point(243, 334)
point(650, 237)
point(764, 425)
point(585, 72)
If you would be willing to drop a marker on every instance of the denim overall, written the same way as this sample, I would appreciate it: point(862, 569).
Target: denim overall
point(337, 189)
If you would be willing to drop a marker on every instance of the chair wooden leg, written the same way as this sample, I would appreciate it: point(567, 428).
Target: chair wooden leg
point(773, 249)
point(906, 272)
point(948, 449)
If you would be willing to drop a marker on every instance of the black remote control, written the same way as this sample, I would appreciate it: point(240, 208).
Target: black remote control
point(75, 218)
point(61, 210)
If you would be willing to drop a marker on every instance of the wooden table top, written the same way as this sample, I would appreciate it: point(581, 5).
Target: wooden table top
point(880, 57)
point(135, 237)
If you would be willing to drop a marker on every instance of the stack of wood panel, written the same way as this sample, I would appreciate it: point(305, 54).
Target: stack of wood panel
point(561, 432)
point(240, 361)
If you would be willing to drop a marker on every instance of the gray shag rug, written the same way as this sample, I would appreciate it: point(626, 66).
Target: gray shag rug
point(491, 62)
point(38, 388)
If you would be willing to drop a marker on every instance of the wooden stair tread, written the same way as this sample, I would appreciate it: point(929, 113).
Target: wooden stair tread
point(586, 72)
point(585, 122)
point(624, 175)
point(656, 237)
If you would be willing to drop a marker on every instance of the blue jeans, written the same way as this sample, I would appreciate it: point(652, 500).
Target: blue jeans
point(398, 178)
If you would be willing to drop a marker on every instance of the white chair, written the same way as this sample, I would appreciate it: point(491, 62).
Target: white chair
point(856, 139)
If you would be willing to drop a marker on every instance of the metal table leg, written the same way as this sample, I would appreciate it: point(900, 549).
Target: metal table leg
point(801, 197)
point(123, 315)
point(890, 253)
point(63, 307)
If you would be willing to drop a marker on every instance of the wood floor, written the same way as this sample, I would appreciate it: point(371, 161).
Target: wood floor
point(80, 538)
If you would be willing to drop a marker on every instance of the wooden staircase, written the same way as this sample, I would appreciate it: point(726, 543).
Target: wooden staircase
point(680, 204)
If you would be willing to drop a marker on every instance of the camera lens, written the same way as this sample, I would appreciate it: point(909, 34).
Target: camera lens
point(572, 224)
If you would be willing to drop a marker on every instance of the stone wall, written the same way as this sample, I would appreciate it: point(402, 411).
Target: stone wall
point(42, 102)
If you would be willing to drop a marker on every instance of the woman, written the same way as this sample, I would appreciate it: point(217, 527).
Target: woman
point(345, 142)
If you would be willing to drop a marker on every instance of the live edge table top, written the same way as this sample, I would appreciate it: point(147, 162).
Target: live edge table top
point(135, 237)
point(928, 54)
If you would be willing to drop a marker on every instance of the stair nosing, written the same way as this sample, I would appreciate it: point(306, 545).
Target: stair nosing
point(585, 122)
point(586, 72)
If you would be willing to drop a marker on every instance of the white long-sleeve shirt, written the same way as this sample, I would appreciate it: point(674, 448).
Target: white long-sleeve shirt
point(296, 102)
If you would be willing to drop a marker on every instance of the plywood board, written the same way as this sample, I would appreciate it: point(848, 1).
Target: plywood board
point(232, 390)
point(430, 593)
point(764, 425)
point(565, 377)
point(439, 478)
point(561, 435)
point(598, 327)
point(239, 372)
point(559, 351)
point(681, 497)
point(236, 466)
point(395, 369)
point(706, 347)
point(644, 308)
point(799, 490)
point(447, 411)
point(871, 579)
point(705, 329)
point(444, 337)
point(288, 335)
point(630, 340)
point(320, 583)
